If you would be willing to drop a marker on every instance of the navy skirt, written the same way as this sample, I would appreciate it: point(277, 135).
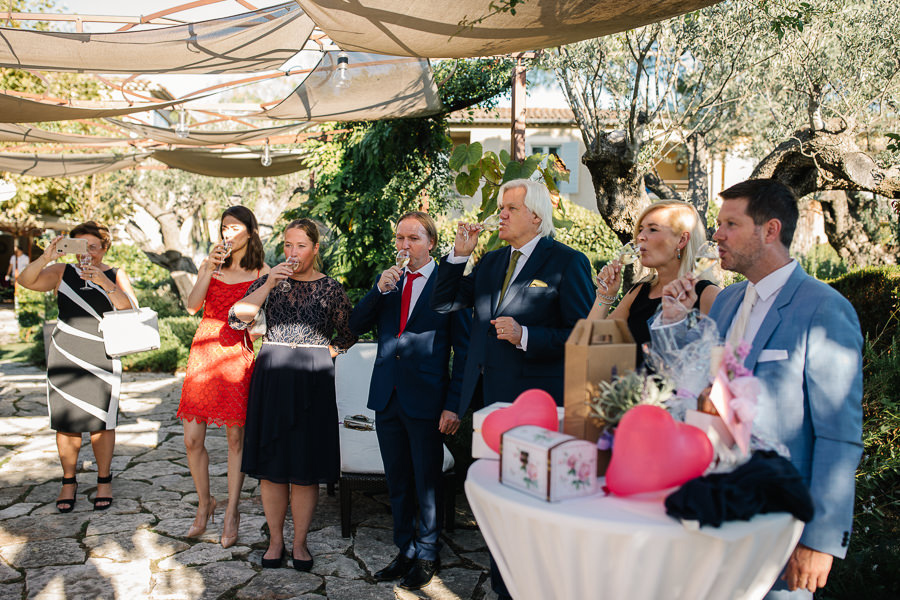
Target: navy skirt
point(291, 433)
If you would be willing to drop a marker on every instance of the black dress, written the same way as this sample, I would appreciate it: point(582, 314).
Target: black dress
point(291, 432)
point(642, 310)
point(82, 381)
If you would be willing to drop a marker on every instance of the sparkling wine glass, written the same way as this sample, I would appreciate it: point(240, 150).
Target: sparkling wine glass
point(628, 254)
point(706, 259)
point(285, 285)
point(491, 223)
point(227, 244)
point(401, 260)
point(84, 260)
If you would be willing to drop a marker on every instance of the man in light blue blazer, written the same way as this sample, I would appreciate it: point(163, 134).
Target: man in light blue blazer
point(807, 353)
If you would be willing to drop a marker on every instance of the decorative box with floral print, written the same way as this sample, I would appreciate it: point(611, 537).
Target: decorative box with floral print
point(550, 465)
point(479, 448)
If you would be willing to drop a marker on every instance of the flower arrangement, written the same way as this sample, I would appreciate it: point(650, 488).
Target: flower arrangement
point(609, 401)
point(744, 387)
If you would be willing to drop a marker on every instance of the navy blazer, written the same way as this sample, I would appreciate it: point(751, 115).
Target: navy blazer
point(417, 363)
point(550, 294)
point(808, 357)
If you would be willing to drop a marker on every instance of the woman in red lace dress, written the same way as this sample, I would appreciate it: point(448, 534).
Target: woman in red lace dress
point(220, 364)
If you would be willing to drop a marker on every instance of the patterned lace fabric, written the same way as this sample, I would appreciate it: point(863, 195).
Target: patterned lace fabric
point(312, 312)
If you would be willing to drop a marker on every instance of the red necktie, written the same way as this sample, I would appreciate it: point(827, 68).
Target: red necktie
point(404, 300)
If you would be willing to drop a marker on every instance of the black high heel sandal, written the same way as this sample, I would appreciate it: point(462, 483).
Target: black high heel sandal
point(98, 502)
point(67, 504)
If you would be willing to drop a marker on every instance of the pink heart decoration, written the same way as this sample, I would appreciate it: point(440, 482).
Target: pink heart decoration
point(652, 452)
point(532, 407)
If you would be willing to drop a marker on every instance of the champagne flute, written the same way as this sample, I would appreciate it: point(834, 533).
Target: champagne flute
point(227, 244)
point(285, 285)
point(706, 259)
point(85, 260)
point(628, 254)
point(401, 260)
point(491, 223)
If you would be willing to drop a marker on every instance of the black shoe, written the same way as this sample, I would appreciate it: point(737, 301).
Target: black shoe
point(398, 568)
point(67, 504)
point(272, 563)
point(103, 502)
point(302, 565)
point(420, 574)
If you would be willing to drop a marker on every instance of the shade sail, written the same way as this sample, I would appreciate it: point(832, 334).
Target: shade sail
point(377, 87)
point(431, 29)
point(203, 138)
point(14, 109)
point(261, 40)
point(67, 165)
point(230, 164)
point(11, 132)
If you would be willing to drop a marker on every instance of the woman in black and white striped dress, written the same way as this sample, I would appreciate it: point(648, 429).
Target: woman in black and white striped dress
point(82, 381)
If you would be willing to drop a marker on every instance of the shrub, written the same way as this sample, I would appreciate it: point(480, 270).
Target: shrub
point(875, 294)
point(161, 297)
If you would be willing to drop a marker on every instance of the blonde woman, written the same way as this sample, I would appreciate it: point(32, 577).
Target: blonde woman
point(668, 234)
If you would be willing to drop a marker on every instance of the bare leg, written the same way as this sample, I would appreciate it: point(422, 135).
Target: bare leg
point(235, 437)
point(198, 462)
point(68, 445)
point(275, 503)
point(303, 505)
point(103, 444)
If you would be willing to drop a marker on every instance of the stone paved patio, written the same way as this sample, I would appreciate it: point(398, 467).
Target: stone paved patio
point(137, 549)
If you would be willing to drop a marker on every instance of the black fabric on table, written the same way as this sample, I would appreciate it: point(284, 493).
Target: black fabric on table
point(766, 483)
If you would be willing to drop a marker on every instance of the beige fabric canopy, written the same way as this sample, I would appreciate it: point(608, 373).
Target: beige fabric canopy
point(431, 29)
point(14, 109)
point(206, 138)
point(10, 132)
point(377, 87)
point(260, 40)
point(67, 165)
point(230, 163)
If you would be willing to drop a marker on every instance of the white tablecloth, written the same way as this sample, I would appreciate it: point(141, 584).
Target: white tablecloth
point(610, 547)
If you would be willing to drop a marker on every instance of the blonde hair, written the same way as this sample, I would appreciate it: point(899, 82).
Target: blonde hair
point(683, 218)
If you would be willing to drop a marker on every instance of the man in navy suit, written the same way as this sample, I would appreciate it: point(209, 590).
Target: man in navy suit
point(414, 395)
point(807, 353)
point(527, 298)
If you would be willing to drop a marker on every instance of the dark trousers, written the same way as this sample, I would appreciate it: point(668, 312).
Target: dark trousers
point(413, 454)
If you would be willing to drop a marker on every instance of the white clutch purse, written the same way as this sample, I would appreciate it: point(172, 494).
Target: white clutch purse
point(129, 331)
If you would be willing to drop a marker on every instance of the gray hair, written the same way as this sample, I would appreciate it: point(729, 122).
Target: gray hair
point(537, 200)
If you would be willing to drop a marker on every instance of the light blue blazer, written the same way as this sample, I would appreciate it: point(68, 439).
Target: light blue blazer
point(808, 357)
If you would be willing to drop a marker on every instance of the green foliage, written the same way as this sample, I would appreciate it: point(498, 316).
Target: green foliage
point(161, 297)
point(875, 294)
point(183, 328)
point(822, 262)
point(140, 270)
point(588, 233)
point(466, 83)
point(610, 400)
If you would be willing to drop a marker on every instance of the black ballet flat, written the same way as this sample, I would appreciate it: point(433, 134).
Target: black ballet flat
point(302, 565)
point(272, 563)
point(66, 505)
point(103, 502)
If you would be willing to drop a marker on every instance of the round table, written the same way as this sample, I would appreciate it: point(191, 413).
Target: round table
point(608, 547)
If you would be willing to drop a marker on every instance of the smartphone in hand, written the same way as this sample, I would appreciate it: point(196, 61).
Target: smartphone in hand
point(72, 246)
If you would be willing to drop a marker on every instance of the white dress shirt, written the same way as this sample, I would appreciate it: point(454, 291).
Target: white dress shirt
point(767, 290)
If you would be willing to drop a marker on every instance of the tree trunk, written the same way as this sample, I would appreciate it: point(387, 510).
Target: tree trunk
point(830, 160)
point(618, 185)
point(698, 176)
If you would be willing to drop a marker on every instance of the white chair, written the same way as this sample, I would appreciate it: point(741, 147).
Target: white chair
point(361, 465)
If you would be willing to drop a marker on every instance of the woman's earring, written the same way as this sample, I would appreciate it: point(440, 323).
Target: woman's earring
point(678, 253)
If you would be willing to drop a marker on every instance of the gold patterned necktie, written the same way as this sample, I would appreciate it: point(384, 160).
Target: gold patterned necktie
point(509, 273)
point(740, 324)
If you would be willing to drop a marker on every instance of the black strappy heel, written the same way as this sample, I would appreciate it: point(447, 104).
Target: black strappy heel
point(98, 502)
point(67, 504)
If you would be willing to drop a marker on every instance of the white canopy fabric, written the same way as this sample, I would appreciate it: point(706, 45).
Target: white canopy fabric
point(377, 87)
point(206, 138)
point(14, 109)
point(230, 163)
point(10, 132)
point(67, 165)
point(261, 40)
point(431, 29)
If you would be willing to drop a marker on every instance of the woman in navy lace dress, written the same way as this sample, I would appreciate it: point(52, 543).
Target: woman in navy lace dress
point(291, 434)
